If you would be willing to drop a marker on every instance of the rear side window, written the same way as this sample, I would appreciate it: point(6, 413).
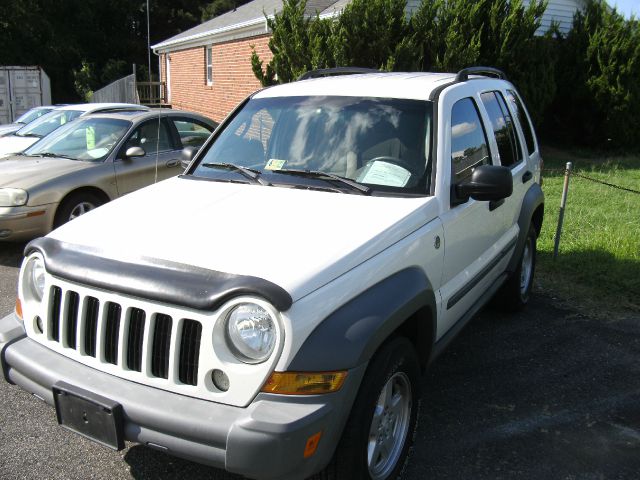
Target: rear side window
point(192, 133)
point(468, 140)
point(527, 129)
point(503, 128)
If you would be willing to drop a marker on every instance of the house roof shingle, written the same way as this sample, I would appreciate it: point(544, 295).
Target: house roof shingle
point(252, 11)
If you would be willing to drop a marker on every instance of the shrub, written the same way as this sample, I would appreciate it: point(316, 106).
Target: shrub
point(598, 101)
point(368, 32)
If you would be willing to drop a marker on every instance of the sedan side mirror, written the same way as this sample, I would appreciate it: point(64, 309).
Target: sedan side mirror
point(488, 182)
point(187, 155)
point(133, 152)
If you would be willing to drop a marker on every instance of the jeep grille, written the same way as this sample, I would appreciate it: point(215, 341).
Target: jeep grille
point(116, 337)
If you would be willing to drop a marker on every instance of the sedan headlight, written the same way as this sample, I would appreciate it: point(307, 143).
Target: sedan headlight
point(34, 279)
point(251, 332)
point(13, 197)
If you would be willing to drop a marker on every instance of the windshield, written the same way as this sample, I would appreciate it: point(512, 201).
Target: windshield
point(378, 142)
point(90, 139)
point(30, 115)
point(48, 123)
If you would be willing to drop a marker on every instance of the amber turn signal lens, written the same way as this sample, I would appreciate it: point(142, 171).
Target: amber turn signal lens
point(19, 308)
point(304, 383)
point(312, 444)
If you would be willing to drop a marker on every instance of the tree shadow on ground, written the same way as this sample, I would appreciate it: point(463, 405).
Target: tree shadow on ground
point(11, 253)
point(596, 269)
point(145, 463)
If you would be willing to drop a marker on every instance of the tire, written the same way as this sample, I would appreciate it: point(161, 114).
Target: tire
point(75, 205)
point(379, 432)
point(516, 291)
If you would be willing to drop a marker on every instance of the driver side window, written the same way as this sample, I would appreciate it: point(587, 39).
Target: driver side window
point(151, 136)
point(468, 140)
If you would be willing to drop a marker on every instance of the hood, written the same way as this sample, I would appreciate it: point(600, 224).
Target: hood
point(27, 172)
point(16, 144)
point(298, 239)
point(9, 128)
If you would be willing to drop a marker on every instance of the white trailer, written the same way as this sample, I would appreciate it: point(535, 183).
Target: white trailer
point(22, 88)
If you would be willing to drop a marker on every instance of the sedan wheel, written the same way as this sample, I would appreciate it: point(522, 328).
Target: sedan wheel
point(75, 205)
point(80, 209)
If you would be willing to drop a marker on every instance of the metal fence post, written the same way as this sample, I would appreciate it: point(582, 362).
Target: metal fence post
point(563, 203)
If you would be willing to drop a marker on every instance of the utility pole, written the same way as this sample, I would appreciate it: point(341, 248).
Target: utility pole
point(148, 43)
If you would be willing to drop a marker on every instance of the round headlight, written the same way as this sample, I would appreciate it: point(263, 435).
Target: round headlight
point(251, 332)
point(35, 278)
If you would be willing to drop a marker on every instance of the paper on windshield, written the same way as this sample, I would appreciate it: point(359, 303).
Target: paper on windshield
point(384, 173)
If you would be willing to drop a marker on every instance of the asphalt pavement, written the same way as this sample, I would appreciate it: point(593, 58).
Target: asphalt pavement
point(547, 393)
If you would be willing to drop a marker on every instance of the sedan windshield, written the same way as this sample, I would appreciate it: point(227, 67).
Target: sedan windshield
point(90, 139)
point(46, 124)
point(32, 114)
point(321, 141)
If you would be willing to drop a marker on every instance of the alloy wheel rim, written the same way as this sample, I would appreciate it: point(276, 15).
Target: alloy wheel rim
point(389, 426)
point(526, 269)
point(80, 209)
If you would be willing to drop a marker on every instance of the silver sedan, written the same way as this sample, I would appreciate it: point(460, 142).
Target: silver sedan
point(89, 162)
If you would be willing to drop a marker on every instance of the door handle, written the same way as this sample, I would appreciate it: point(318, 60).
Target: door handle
point(526, 176)
point(173, 163)
point(493, 204)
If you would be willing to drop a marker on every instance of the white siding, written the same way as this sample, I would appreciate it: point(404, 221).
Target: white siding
point(560, 11)
point(412, 5)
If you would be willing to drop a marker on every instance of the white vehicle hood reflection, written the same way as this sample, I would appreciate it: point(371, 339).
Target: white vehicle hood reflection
point(298, 239)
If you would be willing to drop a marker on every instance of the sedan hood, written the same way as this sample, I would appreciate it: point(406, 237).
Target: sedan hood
point(15, 144)
point(298, 239)
point(27, 172)
point(9, 128)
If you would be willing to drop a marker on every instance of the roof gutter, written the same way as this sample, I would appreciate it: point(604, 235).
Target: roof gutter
point(210, 34)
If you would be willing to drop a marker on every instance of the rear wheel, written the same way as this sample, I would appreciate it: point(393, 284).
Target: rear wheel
point(516, 291)
point(75, 205)
point(378, 434)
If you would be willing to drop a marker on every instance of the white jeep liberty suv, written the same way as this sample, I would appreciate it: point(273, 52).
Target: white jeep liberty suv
point(269, 311)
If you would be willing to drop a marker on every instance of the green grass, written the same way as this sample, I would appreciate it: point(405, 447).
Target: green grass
point(599, 261)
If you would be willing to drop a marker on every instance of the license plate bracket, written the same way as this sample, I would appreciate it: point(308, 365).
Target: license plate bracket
point(90, 415)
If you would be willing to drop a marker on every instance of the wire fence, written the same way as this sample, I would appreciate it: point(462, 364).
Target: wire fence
point(573, 173)
point(568, 173)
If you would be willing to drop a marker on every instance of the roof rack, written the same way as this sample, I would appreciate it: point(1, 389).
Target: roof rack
point(463, 75)
point(329, 72)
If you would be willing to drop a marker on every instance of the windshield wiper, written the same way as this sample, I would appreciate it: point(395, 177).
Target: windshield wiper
point(54, 155)
point(250, 173)
point(326, 176)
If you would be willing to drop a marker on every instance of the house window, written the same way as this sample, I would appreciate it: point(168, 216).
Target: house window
point(209, 65)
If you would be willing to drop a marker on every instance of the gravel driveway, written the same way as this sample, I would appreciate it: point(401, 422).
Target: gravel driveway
point(546, 393)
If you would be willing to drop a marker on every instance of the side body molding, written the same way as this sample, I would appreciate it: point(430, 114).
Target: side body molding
point(350, 335)
point(532, 200)
point(159, 280)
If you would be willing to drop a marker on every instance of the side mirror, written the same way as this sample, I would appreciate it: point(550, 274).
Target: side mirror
point(488, 182)
point(187, 155)
point(133, 152)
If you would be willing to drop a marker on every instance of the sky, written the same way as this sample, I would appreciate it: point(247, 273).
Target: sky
point(627, 7)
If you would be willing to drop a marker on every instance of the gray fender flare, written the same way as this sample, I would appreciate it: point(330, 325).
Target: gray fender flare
point(350, 335)
point(532, 200)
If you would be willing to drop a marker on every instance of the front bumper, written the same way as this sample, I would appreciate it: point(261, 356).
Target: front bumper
point(265, 440)
point(24, 223)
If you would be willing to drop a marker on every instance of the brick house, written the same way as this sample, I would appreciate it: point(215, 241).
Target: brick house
point(207, 69)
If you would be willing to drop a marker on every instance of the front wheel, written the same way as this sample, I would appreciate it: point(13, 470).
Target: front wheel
point(378, 434)
point(75, 205)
